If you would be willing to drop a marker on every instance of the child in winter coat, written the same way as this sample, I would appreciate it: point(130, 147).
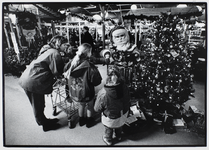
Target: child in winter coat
point(82, 77)
point(113, 100)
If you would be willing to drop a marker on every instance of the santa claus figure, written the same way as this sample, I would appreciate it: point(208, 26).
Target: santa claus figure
point(125, 55)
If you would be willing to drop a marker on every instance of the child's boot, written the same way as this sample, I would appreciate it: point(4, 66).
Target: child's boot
point(89, 122)
point(82, 121)
point(108, 141)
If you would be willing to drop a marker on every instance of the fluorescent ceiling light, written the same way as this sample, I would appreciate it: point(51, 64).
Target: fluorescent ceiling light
point(90, 7)
point(181, 5)
point(133, 7)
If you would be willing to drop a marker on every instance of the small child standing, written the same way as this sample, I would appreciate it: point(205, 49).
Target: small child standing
point(113, 100)
point(82, 77)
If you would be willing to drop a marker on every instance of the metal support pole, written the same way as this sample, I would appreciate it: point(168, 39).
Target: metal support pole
point(103, 25)
point(135, 24)
point(53, 27)
point(7, 37)
point(18, 35)
point(79, 32)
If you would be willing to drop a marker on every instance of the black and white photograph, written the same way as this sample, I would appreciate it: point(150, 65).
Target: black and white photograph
point(104, 74)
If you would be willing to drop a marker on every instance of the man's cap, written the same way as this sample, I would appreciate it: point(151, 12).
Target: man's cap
point(86, 28)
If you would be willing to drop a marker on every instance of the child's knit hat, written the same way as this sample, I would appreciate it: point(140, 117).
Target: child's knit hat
point(114, 76)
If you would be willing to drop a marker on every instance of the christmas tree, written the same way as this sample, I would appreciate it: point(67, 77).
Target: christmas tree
point(166, 78)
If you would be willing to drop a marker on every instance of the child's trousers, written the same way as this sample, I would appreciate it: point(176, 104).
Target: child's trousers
point(109, 132)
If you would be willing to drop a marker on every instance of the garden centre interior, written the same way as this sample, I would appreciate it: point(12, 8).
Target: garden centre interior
point(172, 70)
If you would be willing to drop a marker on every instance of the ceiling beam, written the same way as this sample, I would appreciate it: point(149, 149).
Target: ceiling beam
point(44, 10)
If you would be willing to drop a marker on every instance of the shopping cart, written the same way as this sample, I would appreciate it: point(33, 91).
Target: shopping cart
point(59, 99)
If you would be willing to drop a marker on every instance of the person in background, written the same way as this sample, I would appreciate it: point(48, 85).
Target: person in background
point(82, 77)
point(39, 77)
point(113, 101)
point(87, 38)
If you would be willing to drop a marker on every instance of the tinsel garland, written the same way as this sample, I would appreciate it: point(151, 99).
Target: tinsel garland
point(90, 19)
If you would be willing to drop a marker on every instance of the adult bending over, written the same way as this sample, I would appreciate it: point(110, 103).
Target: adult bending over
point(39, 77)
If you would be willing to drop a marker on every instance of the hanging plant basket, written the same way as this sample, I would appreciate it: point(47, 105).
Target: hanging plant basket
point(27, 20)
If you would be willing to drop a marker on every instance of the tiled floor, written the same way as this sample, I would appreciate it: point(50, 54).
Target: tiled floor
point(20, 128)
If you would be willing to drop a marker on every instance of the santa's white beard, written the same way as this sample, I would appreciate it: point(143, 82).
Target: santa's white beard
point(123, 46)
